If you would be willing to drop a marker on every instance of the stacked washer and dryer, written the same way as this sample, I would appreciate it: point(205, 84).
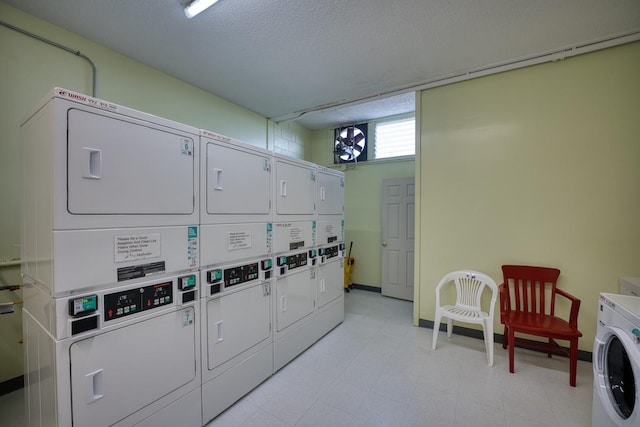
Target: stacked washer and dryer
point(110, 259)
point(168, 271)
point(237, 270)
point(307, 219)
point(616, 358)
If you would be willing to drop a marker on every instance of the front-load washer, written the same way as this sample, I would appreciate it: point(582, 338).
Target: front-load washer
point(616, 362)
point(294, 305)
point(330, 288)
point(237, 336)
point(111, 194)
point(125, 356)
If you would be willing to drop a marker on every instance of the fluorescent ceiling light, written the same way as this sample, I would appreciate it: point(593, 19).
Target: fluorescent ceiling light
point(197, 6)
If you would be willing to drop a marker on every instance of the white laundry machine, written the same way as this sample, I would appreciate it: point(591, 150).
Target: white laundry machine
point(295, 189)
point(124, 356)
point(237, 337)
point(110, 194)
point(330, 291)
point(235, 200)
point(294, 305)
point(616, 362)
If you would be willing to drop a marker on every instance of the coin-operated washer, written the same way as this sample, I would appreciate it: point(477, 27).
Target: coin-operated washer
point(237, 339)
point(294, 305)
point(330, 290)
point(121, 356)
point(109, 269)
point(236, 270)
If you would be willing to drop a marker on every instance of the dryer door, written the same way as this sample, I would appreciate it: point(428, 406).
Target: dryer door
point(120, 372)
point(128, 167)
point(295, 297)
point(616, 370)
point(330, 281)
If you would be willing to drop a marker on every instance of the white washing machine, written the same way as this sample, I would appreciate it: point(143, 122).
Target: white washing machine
point(616, 362)
point(125, 356)
point(237, 337)
point(330, 291)
point(294, 305)
point(111, 194)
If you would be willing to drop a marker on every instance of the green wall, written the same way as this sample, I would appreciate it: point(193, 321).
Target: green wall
point(30, 68)
point(536, 166)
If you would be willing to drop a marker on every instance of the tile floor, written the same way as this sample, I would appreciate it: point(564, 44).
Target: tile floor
point(376, 369)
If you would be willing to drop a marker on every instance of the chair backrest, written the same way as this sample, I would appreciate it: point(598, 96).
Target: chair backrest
point(527, 288)
point(469, 287)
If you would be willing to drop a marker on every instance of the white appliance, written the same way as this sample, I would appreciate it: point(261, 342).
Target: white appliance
point(629, 286)
point(616, 362)
point(295, 188)
point(236, 270)
point(294, 305)
point(330, 242)
point(237, 338)
point(123, 356)
point(235, 200)
point(111, 195)
point(330, 290)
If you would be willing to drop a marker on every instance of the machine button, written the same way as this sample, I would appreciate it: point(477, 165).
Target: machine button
point(187, 282)
point(214, 276)
point(266, 264)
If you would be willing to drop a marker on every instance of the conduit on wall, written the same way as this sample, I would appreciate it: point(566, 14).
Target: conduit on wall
point(59, 46)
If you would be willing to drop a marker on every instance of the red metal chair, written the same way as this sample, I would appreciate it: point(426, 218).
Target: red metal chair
point(527, 306)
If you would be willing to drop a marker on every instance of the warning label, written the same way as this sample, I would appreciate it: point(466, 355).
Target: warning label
point(296, 234)
point(136, 247)
point(238, 240)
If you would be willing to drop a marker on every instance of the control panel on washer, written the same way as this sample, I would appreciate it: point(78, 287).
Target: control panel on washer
point(219, 279)
point(84, 310)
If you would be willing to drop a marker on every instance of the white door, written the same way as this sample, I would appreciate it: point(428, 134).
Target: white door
point(398, 209)
point(330, 281)
point(295, 188)
point(237, 181)
point(330, 193)
point(295, 297)
point(118, 167)
point(236, 322)
point(119, 372)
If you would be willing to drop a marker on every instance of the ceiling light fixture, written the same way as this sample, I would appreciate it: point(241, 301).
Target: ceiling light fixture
point(197, 6)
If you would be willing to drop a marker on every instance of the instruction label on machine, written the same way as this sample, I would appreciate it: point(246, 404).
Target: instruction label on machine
point(192, 246)
point(238, 240)
point(296, 237)
point(136, 247)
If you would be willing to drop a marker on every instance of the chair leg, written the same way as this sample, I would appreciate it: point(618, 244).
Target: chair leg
point(436, 328)
point(573, 362)
point(488, 340)
point(512, 345)
point(449, 327)
point(550, 346)
point(504, 337)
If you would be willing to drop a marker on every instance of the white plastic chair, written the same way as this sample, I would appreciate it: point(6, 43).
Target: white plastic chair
point(469, 287)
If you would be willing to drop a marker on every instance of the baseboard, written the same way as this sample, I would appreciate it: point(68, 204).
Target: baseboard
point(585, 356)
point(11, 385)
point(366, 288)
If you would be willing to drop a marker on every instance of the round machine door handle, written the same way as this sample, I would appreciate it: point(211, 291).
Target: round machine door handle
point(384, 244)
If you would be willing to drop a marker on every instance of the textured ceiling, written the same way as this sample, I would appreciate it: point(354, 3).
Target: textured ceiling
point(281, 58)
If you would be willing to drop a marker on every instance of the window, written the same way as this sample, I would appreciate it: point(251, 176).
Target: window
point(395, 138)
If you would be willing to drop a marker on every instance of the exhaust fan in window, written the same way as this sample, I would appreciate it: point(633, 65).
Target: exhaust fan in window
point(350, 145)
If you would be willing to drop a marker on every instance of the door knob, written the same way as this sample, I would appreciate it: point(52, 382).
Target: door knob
point(384, 244)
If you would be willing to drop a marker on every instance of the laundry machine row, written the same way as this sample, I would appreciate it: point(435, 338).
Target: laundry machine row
point(129, 269)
